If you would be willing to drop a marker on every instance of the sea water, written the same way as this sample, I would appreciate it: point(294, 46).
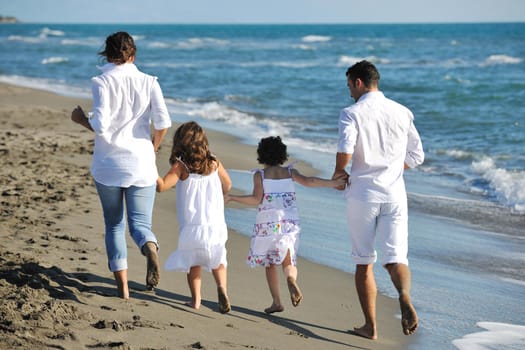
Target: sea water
point(465, 84)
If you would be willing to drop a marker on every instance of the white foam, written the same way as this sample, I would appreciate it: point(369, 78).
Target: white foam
point(51, 60)
point(458, 154)
point(25, 39)
point(497, 336)
point(82, 42)
point(508, 185)
point(316, 38)
point(45, 32)
point(303, 47)
point(345, 61)
point(501, 59)
point(246, 126)
point(197, 43)
point(54, 86)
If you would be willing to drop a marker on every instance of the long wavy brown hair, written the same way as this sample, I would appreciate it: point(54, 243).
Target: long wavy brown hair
point(190, 145)
point(120, 46)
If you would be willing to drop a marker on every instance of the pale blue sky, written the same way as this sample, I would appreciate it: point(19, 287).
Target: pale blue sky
point(264, 11)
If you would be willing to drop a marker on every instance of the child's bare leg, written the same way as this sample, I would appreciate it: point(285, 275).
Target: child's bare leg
point(122, 283)
point(272, 277)
point(194, 282)
point(290, 271)
point(220, 276)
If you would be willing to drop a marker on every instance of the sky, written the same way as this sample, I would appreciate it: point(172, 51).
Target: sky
point(264, 11)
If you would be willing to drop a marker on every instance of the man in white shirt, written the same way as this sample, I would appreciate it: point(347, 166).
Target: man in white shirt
point(379, 137)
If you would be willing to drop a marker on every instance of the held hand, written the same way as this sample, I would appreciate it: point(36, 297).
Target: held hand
point(341, 183)
point(341, 175)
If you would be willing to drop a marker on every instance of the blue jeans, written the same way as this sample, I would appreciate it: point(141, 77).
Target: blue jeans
point(139, 206)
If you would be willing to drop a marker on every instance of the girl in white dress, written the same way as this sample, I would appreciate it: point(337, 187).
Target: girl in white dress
point(275, 237)
point(201, 183)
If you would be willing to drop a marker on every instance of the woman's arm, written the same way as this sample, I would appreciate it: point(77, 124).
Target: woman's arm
point(253, 199)
point(158, 136)
point(79, 117)
point(313, 181)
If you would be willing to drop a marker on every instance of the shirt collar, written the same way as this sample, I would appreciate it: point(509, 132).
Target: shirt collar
point(121, 67)
point(371, 94)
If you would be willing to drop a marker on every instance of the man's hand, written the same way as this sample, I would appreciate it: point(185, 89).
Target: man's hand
point(341, 174)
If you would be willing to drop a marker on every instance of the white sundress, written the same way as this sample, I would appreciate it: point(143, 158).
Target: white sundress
point(276, 228)
point(203, 231)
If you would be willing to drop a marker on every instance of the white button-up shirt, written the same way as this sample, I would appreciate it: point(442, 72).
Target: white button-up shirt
point(125, 103)
point(380, 135)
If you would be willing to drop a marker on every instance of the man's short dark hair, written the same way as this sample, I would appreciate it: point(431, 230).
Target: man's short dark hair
point(365, 71)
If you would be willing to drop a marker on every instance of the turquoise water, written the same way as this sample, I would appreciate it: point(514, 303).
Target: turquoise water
point(464, 82)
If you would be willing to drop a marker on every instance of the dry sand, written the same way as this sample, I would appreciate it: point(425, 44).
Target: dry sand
point(56, 291)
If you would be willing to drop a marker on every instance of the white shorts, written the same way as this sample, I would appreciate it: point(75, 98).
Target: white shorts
point(386, 221)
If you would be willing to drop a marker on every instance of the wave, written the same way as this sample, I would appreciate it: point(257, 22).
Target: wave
point(501, 59)
point(315, 38)
point(488, 215)
point(298, 64)
point(246, 126)
point(508, 186)
point(26, 39)
point(303, 47)
point(189, 44)
point(497, 336)
point(47, 85)
point(345, 61)
point(42, 36)
point(96, 42)
point(45, 32)
point(52, 60)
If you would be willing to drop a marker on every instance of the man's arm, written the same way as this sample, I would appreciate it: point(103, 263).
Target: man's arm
point(341, 161)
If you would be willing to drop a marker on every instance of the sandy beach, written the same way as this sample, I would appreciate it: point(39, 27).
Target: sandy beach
point(57, 292)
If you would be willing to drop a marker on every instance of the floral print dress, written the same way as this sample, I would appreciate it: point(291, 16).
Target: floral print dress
point(276, 228)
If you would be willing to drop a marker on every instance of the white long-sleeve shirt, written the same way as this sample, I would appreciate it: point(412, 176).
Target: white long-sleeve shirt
point(380, 135)
point(125, 103)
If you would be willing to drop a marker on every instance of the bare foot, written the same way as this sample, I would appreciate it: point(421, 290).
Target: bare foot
point(295, 292)
point(193, 305)
point(409, 319)
point(153, 268)
point(274, 308)
point(224, 302)
point(366, 332)
point(123, 292)
point(121, 277)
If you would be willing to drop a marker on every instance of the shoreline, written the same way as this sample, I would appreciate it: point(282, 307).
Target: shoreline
point(53, 257)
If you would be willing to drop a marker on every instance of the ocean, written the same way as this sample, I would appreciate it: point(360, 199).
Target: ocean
point(465, 84)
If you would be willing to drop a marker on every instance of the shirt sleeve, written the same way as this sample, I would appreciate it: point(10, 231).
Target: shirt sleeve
point(100, 120)
point(347, 133)
point(415, 155)
point(159, 110)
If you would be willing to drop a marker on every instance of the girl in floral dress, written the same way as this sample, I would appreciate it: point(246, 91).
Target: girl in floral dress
point(275, 237)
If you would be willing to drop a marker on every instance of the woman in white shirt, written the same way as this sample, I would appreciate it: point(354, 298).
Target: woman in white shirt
point(125, 104)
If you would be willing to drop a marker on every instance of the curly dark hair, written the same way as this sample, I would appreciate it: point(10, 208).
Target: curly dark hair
point(190, 144)
point(271, 151)
point(119, 48)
